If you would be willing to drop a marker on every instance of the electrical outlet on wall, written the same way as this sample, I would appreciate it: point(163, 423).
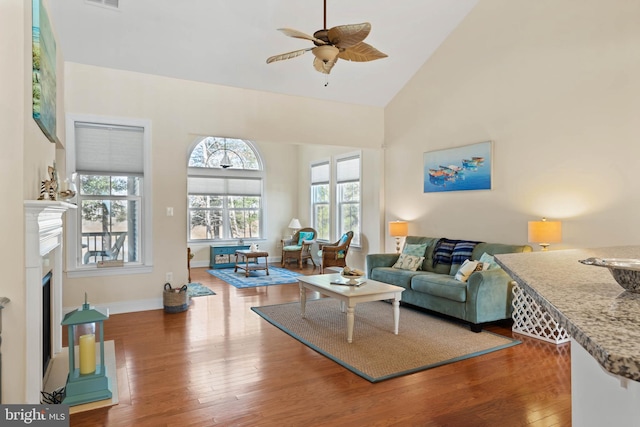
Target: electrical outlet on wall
point(169, 277)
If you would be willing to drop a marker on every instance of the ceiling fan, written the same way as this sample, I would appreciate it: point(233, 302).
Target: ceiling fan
point(343, 41)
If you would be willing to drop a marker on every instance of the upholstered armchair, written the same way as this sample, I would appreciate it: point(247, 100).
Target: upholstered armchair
point(299, 247)
point(335, 254)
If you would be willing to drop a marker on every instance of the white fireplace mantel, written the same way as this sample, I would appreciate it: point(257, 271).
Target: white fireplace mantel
point(43, 236)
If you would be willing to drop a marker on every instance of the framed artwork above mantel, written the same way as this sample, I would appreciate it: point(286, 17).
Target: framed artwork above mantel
point(462, 168)
point(44, 71)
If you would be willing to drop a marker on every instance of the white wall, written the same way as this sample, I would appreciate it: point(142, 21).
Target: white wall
point(555, 85)
point(180, 110)
point(26, 153)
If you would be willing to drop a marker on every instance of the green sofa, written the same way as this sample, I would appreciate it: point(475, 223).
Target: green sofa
point(485, 297)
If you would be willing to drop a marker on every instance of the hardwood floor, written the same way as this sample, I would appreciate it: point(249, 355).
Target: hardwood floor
point(219, 363)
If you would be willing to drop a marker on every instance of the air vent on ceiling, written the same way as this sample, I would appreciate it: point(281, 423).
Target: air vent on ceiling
point(111, 4)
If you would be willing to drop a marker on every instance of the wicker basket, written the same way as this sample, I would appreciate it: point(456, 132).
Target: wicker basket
point(175, 300)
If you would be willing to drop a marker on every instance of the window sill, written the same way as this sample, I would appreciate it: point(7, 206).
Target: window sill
point(109, 271)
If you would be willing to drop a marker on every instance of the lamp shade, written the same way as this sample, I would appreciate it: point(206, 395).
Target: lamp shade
point(295, 224)
point(545, 231)
point(398, 228)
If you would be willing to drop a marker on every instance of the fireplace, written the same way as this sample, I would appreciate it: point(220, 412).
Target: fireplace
point(43, 242)
point(46, 322)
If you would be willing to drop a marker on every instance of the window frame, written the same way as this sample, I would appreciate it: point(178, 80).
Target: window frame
point(74, 265)
point(228, 173)
point(315, 204)
point(339, 204)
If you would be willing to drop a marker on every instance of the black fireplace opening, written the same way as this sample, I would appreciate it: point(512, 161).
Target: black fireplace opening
point(46, 322)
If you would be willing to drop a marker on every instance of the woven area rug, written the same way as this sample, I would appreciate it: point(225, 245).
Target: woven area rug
point(376, 353)
point(277, 276)
point(198, 290)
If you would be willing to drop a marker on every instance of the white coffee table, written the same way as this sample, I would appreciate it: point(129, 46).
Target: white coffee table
point(349, 296)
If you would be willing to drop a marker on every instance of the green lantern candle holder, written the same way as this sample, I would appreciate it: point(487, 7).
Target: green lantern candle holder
point(88, 381)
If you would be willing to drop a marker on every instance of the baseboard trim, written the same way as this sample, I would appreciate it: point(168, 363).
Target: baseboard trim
point(128, 306)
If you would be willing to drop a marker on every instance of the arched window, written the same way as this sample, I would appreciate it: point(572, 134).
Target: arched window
point(225, 189)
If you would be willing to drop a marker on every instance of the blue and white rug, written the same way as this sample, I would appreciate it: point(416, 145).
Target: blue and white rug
point(277, 276)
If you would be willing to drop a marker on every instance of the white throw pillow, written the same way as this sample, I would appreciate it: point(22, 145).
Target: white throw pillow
point(466, 269)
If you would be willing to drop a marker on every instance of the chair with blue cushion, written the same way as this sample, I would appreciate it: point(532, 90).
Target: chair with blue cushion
point(299, 247)
point(335, 254)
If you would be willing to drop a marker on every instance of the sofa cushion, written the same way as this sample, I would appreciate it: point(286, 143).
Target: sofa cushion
point(408, 262)
point(441, 285)
point(394, 276)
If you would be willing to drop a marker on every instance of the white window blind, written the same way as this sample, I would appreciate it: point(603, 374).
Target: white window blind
point(320, 173)
point(109, 149)
point(224, 186)
point(348, 170)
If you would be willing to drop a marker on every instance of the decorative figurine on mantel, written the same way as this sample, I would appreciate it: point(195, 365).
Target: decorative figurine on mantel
point(49, 188)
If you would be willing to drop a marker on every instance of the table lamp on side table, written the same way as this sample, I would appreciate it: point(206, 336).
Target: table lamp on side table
point(294, 225)
point(398, 229)
point(545, 232)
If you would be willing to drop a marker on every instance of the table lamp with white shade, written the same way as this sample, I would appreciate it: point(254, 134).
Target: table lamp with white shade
point(295, 225)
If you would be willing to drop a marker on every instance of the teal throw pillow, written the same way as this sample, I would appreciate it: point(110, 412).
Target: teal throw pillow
point(415, 249)
point(488, 259)
point(305, 235)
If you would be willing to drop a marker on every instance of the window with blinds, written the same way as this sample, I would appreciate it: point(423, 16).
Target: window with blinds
point(320, 199)
point(108, 161)
point(348, 196)
point(335, 198)
point(225, 190)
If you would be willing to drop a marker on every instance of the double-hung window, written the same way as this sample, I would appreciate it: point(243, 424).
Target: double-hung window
point(225, 191)
point(107, 160)
point(335, 198)
point(348, 196)
point(320, 200)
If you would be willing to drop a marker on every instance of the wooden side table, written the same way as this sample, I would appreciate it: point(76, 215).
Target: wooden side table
point(245, 255)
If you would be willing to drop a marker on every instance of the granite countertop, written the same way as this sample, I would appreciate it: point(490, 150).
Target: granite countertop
point(585, 300)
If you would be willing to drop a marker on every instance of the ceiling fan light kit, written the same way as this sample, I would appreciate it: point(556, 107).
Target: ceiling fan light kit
point(326, 53)
point(344, 42)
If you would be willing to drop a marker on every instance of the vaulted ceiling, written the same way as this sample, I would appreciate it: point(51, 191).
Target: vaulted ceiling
point(227, 42)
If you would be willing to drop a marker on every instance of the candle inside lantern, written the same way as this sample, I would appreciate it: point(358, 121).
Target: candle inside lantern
point(87, 354)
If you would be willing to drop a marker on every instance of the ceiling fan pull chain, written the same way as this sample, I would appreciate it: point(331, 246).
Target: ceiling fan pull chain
point(326, 80)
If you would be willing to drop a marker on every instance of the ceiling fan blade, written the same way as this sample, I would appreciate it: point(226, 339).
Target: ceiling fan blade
point(287, 55)
point(300, 35)
point(324, 67)
point(345, 36)
point(361, 52)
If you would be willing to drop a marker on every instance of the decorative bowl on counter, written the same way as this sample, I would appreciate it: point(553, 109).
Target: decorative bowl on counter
point(626, 271)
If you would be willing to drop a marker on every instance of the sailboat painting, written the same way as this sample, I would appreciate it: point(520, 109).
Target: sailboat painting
point(458, 169)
